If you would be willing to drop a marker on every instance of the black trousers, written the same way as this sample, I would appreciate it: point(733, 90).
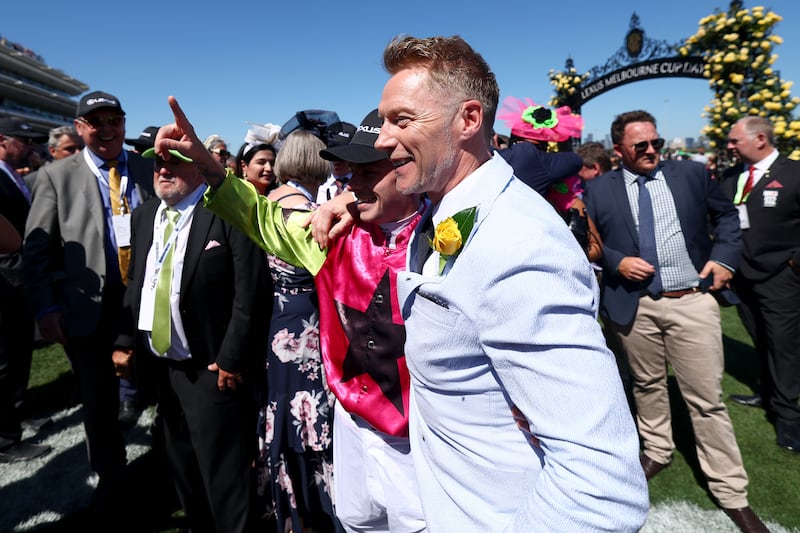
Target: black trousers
point(99, 385)
point(16, 349)
point(211, 446)
point(770, 311)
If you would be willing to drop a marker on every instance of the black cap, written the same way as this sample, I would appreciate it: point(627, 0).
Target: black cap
point(16, 127)
point(98, 100)
point(145, 140)
point(339, 133)
point(361, 148)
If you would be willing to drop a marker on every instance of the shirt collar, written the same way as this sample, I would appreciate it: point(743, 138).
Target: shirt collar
point(187, 204)
point(460, 196)
point(101, 163)
point(765, 163)
point(631, 176)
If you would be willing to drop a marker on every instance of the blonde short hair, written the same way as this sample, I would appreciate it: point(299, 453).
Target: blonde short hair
point(299, 159)
point(456, 71)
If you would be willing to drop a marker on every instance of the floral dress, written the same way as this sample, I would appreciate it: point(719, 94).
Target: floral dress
point(295, 420)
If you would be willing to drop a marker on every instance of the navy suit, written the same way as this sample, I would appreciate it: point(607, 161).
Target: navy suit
point(698, 201)
point(537, 168)
point(680, 329)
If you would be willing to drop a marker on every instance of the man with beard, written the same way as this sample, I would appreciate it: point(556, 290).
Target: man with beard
point(198, 294)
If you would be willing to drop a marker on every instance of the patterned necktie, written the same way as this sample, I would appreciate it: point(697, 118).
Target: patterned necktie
point(119, 205)
point(647, 236)
point(162, 316)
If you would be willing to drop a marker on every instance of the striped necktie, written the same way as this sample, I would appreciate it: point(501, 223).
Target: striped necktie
point(748, 185)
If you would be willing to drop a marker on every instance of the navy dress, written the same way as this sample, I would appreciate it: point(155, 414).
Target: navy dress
point(295, 420)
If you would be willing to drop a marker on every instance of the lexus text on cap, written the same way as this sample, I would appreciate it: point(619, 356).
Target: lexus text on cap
point(16, 127)
point(361, 148)
point(150, 153)
point(145, 140)
point(98, 100)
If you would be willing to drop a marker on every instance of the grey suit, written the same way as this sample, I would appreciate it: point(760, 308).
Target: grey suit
point(66, 269)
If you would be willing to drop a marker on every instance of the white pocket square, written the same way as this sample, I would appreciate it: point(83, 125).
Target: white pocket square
point(211, 244)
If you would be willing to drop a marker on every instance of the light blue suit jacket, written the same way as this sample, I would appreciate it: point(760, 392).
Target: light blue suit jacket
point(513, 321)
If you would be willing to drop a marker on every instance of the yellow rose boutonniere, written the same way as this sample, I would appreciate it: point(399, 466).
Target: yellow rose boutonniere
point(451, 233)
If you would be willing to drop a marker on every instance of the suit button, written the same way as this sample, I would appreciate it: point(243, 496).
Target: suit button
point(379, 298)
point(371, 344)
point(364, 388)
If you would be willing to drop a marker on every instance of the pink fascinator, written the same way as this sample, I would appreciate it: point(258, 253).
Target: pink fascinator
point(532, 121)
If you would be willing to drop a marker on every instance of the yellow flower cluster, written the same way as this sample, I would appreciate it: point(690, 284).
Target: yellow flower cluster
point(566, 83)
point(738, 49)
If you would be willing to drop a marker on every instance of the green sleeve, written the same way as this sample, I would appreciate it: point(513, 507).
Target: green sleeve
point(238, 203)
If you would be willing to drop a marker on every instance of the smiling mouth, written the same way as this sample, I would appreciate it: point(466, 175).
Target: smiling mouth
point(397, 163)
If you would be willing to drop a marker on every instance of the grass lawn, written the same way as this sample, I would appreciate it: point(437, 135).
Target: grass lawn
point(774, 490)
point(774, 473)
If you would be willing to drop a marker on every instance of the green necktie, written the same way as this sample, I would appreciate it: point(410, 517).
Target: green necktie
point(162, 320)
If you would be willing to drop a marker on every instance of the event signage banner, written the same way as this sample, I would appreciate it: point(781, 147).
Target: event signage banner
point(670, 67)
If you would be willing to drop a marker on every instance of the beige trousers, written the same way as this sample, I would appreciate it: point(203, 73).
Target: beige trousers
point(685, 333)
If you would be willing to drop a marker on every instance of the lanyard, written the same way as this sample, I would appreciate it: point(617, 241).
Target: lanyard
point(123, 186)
point(740, 197)
point(184, 217)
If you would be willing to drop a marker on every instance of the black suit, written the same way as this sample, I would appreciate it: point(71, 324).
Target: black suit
point(767, 285)
point(16, 319)
point(225, 299)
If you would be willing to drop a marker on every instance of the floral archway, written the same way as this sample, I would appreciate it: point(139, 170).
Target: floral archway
point(737, 47)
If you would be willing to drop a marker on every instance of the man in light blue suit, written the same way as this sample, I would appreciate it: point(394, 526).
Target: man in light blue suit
point(518, 417)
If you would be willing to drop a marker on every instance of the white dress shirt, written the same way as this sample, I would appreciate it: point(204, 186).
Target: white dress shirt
point(179, 348)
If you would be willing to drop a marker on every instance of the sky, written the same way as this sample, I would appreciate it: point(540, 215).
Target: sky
point(234, 63)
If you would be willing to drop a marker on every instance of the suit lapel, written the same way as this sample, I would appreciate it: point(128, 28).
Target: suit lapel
point(144, 234)
point(681, 195)
point(773, 173)
point(620, 197)
point(90, 190)
point(198, 233)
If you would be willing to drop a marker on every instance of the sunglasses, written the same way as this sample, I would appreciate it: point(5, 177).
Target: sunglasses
point(657, 145)
point(222, 153)
point(95, 122)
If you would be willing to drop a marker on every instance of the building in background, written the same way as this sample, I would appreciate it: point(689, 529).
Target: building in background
point(41, 95)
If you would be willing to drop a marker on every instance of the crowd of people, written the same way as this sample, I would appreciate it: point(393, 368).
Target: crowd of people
point(394, 326)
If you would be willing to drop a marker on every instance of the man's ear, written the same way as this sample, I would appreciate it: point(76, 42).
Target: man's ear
point(471, 114)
